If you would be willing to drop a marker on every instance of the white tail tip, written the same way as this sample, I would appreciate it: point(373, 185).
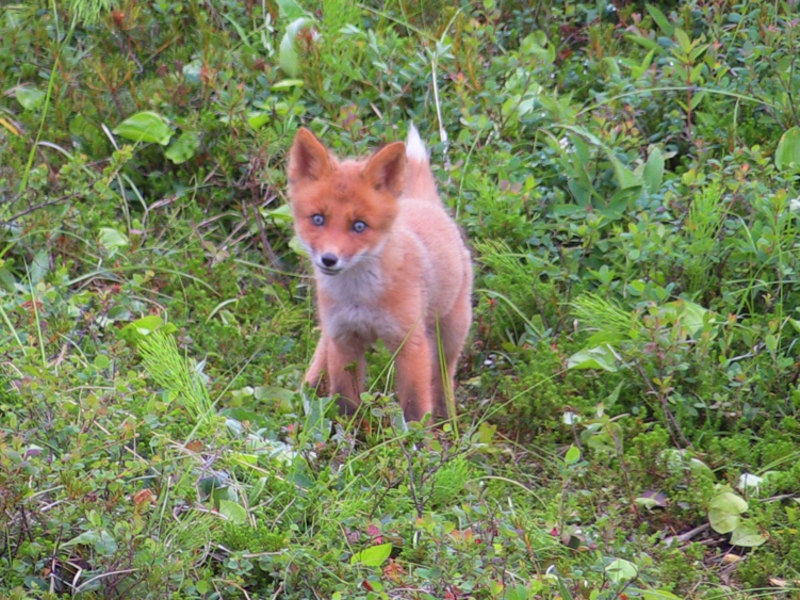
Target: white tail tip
point(415, 148)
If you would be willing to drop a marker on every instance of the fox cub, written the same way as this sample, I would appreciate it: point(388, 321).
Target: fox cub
point(389, 264)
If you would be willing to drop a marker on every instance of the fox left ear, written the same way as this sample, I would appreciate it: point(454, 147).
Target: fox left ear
point(308, 158)
point(386, 170)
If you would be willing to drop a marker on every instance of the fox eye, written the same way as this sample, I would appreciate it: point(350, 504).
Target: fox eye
point(359, 226)
point(318, 220)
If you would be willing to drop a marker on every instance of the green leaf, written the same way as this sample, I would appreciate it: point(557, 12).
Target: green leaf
point(747, 535)
point(135, 331)
point(102, 541)
point(257, 120)
point(239, 30)
point(677, 461)
point(659, 595)
point(654, 170)
point(724, 511)
point(646, 43)
point(683, 40)
point(374, 556)
point(486, 433)
point(287, 53)
point(106, 545)
point(620, 570)
point(146, 126)
point(287, 84)
point(29, 97)
point(233, 511)
point(625, 177)
point(40, 265)
point(749, 483)
point(661, 20)
point(87, 538)
point(787, 155)
point(601, 357)
point(290, 9)
point(573, 455)
point(112, 240)
point(796, 324)
point(184, 148)
point(690, 315)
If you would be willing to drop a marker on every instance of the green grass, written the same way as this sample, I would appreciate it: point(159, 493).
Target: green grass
point(627, 407)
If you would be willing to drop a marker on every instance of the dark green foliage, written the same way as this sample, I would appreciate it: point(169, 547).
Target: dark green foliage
point(623, 172)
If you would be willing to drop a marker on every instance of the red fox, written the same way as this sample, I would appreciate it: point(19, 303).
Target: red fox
point(389, 264)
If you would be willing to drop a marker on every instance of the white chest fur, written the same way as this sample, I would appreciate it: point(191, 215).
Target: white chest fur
point(354, 306)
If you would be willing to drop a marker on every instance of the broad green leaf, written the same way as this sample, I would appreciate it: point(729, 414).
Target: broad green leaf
point(146, 126)
point(691, 315)
point(724, 511)
point(112, 240)
point(683, 40)
point(677, 460)
point(788, 152)
point(287, 53)
point(648, 503)
point(147, 324)
point(747, 535)
point(659, 595)
point(486, 432)
point(135, 331)
point(620, 570)
point(749, 483)
point(625, 177)
point(654, 170)
point(620, 202)
point(106, 545)
point(530, 45)
point(80, 127)
point(290, 9)
point(233, 511)
point(246, 460)
point(286, 84)
point(40, 265)
point(184, 148)
point(102, 541)
point(796, 324)
point(257, 120)
point(30, 98)
point(600, 357)
point(573, 455)
point(87, 538)
point(374, 556)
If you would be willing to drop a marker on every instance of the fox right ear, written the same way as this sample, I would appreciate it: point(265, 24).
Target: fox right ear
point(308, 158)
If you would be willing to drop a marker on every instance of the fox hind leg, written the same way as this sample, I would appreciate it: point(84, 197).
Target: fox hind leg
point(448, 342)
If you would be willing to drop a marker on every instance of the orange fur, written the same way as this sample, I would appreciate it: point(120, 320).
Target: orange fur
point(388, 262)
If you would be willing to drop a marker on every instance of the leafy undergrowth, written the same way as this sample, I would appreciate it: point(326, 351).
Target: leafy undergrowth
point(628, 407)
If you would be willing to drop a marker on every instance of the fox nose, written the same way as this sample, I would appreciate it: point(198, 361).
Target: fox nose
point(329, 260)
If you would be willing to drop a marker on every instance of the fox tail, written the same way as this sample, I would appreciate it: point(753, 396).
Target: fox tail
point(420, 183)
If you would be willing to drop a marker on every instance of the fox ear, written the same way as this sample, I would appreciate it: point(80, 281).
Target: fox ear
point(308, 158)
point(386, 170)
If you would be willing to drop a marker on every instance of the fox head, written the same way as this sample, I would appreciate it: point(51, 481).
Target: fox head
point(343, 210)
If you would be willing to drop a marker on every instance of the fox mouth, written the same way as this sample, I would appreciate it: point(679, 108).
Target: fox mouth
point(329, 271)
